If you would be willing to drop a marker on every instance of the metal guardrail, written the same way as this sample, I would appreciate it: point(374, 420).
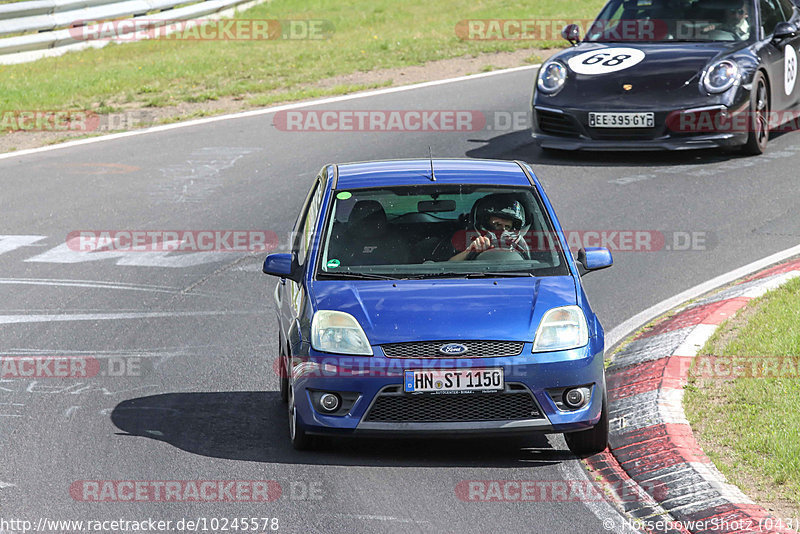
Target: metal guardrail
point(55, 21)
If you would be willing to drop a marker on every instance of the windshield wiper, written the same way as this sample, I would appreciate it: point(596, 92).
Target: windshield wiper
point(505, 274)
point(433, 275)
point(356, 276)
point(426, 276)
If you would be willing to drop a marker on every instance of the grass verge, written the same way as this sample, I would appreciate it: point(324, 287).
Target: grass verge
point(750, 426)
point(367, 35)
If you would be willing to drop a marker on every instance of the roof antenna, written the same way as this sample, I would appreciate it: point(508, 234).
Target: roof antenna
point(430, 153)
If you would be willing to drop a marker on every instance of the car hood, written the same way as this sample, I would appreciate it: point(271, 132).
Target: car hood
point(669, 70)
point(503, 309)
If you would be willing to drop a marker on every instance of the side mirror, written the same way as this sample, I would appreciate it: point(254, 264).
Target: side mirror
point(593, 259)
point(784, 30)
point(572, 33)
point(281, 265)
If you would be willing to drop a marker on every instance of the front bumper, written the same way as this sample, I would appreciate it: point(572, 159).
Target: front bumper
point(366, 379)
point(568, 129)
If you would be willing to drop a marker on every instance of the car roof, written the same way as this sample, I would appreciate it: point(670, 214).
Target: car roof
point(418, 172)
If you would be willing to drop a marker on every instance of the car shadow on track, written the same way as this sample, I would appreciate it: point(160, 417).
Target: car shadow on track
point(252, 426)
point(519, 146)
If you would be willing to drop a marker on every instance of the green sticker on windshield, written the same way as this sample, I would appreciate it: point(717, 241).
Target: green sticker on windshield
point(344, 195)
point(332, 264)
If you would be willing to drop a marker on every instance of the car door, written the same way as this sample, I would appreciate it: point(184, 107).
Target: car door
point(293, 294)
point(780, 57)
point(791, 56)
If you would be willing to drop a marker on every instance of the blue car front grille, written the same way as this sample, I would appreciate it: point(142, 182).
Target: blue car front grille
point(395, 406)
point(475, 349)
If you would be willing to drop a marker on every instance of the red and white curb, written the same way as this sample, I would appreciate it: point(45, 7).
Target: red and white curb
point(651, 442)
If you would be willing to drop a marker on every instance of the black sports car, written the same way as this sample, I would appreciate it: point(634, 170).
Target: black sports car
point(672, 74)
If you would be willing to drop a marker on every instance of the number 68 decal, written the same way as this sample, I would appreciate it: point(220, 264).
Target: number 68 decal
point(605, 60)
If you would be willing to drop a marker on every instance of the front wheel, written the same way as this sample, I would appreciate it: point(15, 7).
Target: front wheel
point(592, 441)
point(758, 121)
point(283, 376)
point(297, 434)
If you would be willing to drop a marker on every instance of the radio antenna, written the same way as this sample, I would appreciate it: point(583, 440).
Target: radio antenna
point(430, 154)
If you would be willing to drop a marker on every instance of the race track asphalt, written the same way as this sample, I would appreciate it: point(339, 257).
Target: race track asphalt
point(203, 405)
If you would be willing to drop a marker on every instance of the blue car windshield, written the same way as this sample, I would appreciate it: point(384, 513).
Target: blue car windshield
point(674, 20)
point(439, 231)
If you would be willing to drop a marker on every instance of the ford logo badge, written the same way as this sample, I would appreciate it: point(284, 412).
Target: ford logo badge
point(453, 348)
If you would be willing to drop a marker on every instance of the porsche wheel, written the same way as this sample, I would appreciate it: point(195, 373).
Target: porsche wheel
point(758, 122)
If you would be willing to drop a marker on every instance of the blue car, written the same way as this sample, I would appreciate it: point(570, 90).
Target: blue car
point(437, 298)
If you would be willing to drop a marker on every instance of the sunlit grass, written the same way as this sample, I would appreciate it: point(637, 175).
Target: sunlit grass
point(367, 35)
point(750, 427)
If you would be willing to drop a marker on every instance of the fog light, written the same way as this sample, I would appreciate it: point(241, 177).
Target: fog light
point(576, 398)
point(329, 402)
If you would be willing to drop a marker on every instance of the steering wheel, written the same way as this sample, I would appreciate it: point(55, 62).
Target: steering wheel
point(499, 255)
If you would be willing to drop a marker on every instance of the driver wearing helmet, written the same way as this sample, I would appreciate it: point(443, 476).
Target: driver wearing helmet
point(498, 224)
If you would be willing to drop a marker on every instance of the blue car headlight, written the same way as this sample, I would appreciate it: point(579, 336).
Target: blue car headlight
point(721, 76)
point(561, 329)
point(339, 333)
point(552, 77)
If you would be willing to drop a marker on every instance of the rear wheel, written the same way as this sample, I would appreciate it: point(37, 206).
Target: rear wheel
point(758, 122)
point(592, 441)
point(297, 434)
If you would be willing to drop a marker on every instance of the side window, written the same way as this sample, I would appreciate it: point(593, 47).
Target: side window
point(305, 233)
point(770, 16)
point(788, 8)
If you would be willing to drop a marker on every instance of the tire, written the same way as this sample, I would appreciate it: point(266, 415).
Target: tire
point(758, 122)
point(592, 441)
point(283, 378)
point(297, 434)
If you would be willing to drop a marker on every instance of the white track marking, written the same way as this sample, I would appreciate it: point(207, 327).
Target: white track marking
point(43, 318)
point(380, 518)
point(66, 253)
point(13, 242)
point(85, 283)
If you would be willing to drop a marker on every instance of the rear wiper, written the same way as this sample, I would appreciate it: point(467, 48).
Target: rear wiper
point(356, 276)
